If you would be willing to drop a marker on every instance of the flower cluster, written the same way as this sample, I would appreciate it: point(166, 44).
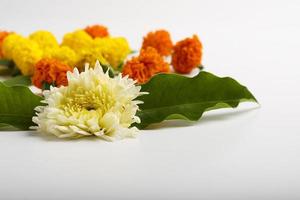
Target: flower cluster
point(91, 104)
point(108, 50)
point(77, 48)
point(185, 54)
point(144, 66)
point(26, 52)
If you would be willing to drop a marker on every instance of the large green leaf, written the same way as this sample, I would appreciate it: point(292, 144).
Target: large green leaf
point(6, 127)
point(17, 105)
point(173, 96)
point(18, 80)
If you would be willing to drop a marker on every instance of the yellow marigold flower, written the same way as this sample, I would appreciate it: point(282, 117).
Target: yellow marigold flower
point(107, 50)
point(77, 40)
point(44, 39)
point(82, 44)
point(65, 55)
point(90, 55)
point(24, 52)
point(114, 50)
point(93, 104)
point(9, 44)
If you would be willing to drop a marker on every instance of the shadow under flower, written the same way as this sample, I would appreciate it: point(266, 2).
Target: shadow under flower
point(53, 138)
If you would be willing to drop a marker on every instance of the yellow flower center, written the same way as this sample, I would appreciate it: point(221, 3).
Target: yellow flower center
point(83, 101)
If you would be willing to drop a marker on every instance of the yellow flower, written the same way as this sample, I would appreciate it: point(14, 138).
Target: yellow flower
point(91, 56)
point(44, 39)
point(9, 44)
point(109, 51)
point(83, 44)
point(67, 55)
point(24, 52)
point(51, 48)
point(77, 40)
point(114, 50)
point(93, 104)
point(63, 54)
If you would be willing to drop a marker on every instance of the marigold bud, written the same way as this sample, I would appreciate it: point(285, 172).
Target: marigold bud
point(160, 40)
point(97, 31)
point(187, 55)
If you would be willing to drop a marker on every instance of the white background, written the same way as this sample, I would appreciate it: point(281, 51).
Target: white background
point(252, 152)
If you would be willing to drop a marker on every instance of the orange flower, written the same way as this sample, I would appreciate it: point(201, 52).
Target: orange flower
point(97, 31)
point(187, 55)
point(3, 35)
point(147, 64)
point(50, 71)
point(136, 70)
point(160, 40)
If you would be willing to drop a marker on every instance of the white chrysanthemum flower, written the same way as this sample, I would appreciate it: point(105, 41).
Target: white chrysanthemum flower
point(92, 104)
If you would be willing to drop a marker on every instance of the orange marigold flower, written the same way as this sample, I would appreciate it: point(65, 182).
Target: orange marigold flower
point(160, 40)
point(154, 62)
point(147, 64)
point(187, 55)
point(50, 71)
point(136, 70)
point(97, 31)
point(3, 35)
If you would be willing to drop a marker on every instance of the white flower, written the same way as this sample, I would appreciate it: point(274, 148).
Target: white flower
point(91, 104)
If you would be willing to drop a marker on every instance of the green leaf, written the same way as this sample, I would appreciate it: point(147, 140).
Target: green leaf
point(8, 67)
point(120, 67)
point(46, 86)
point(18, 80)
point(3, 125)
point(16, 71)
point(17, 105)
point(7, 63)
point(110, 70)
point(6, 127)
point(4, 70)
point(174, 96)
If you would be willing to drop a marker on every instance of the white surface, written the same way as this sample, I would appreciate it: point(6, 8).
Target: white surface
point(232, 154)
